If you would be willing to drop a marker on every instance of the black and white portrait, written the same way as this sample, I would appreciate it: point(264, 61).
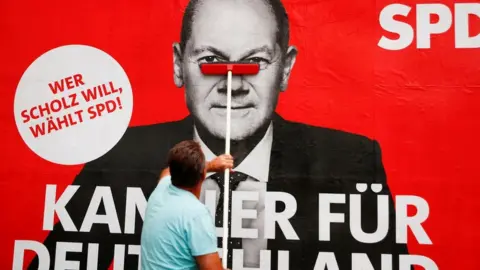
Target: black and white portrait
point(270, 153)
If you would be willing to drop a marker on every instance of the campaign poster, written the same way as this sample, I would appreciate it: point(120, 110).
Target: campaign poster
point(355, 144)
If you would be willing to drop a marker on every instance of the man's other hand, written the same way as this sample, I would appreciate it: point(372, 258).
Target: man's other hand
point(220, 163)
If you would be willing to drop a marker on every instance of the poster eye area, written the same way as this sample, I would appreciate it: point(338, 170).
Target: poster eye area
point(209, 59)
point(262, 62)
point(257, 60)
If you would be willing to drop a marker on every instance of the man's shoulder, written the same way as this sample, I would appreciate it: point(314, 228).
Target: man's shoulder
point(146, 134)
point(198, 210)
point(314, 138)
point(189, 209)
point(326, 152)
point(144, 145)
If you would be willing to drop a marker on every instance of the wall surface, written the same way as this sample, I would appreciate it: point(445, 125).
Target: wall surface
point(377, 106)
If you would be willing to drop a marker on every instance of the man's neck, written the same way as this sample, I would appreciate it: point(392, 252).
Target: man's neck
point(238, 149)
point(194, 190)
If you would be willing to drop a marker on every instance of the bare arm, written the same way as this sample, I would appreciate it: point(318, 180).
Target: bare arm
point(218, 164)
point(209, 262)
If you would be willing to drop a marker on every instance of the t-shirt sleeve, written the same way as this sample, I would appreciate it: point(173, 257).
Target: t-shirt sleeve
point(202, 238)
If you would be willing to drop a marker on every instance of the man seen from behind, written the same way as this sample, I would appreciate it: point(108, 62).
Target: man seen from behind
point(178, 230)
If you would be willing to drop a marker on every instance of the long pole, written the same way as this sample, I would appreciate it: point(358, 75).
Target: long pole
point(227, 174)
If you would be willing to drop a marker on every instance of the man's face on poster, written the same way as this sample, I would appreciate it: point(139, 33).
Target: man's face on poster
point(233, 31)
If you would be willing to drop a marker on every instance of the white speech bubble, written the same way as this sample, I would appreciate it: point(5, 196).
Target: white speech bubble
point(55, 109)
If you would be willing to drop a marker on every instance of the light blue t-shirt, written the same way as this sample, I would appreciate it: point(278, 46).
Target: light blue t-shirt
point(177, 227)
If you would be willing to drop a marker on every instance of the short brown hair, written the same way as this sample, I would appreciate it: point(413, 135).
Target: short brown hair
point(276, 7)
point(186, 162)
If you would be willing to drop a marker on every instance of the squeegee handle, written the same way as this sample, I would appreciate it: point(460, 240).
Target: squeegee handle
point(226, 185)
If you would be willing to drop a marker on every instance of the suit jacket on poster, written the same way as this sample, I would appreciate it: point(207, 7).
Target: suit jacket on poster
point(305, 161)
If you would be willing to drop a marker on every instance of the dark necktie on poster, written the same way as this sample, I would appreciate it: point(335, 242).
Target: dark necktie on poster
point(235, 179)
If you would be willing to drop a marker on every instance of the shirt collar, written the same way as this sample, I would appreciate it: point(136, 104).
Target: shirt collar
point(256, 164)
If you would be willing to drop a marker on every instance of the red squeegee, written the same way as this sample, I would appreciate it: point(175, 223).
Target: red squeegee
point(224, 68)
point(228, 69)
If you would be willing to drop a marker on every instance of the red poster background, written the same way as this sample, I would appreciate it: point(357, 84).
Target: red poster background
point(421, 105)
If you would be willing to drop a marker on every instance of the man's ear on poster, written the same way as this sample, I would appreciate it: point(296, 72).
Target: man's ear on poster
point(290, 57)
point(177, 65)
